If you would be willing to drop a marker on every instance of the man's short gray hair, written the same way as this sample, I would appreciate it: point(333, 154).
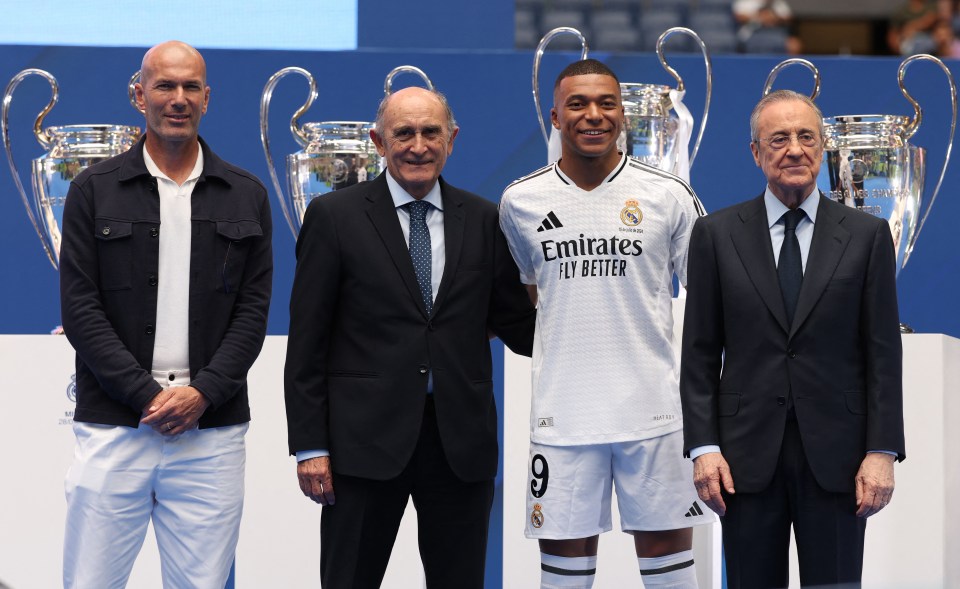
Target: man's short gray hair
point(782, 96)
point(451, 121)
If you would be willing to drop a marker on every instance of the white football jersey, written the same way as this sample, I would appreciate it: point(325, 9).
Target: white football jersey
point(603, 261)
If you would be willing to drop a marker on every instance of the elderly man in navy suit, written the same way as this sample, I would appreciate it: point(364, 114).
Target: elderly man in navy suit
point(794, 297)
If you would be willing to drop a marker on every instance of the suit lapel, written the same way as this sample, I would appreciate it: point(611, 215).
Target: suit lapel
point(752, 242)
point(383, 215)
point(827, 247)
point(454, 219)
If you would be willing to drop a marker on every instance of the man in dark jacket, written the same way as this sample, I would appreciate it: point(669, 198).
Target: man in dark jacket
point(165, 277)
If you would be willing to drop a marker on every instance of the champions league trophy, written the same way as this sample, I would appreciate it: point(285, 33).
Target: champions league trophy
point(658, 124)
point(335, 154)
point(70, 150)
point(870, 164)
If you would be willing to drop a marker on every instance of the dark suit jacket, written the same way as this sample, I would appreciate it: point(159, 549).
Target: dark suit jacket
point(841, 359)
point(361, 345)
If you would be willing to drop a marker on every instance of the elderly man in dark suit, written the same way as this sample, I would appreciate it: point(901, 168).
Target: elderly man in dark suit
point(399, 283)
point(793, 296)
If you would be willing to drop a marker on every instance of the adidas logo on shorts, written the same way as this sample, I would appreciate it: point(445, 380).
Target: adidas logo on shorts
point(694, 510)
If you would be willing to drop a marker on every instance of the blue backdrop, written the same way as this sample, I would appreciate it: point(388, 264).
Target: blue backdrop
point(498, 142)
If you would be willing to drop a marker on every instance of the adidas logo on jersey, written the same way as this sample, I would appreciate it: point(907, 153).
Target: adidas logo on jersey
point(550, 222)
point(694, 510)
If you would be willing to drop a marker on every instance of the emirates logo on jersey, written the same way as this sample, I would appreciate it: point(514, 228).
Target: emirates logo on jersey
point(631, 214)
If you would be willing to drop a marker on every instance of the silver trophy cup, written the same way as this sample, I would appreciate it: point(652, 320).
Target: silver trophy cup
point(70, 149)
point(335, 154)
point(871, 165)
point(657, 130)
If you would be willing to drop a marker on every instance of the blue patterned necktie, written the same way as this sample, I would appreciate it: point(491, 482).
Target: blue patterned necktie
point(790, 265)
point(420, 251)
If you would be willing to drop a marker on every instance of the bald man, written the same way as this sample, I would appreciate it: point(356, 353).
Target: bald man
point(389, 383)
point(165, 277)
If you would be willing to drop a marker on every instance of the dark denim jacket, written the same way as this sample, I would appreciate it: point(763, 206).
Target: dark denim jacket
point(108, 286)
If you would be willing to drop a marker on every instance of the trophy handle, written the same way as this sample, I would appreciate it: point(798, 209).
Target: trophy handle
point(709, 73)
point(404, 69)
point(915, 125)
point(298, 133)
point(132, 91)
point(45, 140)
point(768, 85)
point(536, 69)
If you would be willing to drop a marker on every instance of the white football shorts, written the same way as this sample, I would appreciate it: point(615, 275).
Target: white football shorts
point(569, 494)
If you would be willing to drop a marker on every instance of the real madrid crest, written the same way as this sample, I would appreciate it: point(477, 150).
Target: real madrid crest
point(72, 388)
point(631, 215)
point(536, 517)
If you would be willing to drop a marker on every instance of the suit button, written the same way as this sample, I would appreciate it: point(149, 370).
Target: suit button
point(781, 401)
point(105, 230)
point(154, 232)
point(429, 325)
point(424, 370)
point(791, 354)
point(152, 280)
point(148, 329)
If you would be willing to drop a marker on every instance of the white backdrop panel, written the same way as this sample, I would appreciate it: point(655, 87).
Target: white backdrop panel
point(908, 544)
point(280, 533)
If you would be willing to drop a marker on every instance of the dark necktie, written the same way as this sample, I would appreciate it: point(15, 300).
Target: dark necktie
point(790, 265)
point(420, 251)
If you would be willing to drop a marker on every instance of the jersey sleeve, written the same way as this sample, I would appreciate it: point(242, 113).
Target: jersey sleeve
point(690, 209)
point(518, 248)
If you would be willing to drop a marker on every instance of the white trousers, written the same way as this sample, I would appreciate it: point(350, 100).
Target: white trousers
point(191, 485)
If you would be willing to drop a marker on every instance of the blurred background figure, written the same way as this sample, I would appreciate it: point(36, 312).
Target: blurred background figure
point(912, 26)
point(766, 26)
point(949, 11)
point(948, 46)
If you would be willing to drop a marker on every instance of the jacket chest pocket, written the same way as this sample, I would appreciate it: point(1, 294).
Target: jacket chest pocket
point(115, 249)
point(234, 239)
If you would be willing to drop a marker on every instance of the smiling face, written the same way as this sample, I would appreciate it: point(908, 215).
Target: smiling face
point(172, 93)
point(414, 139)
point(589, 114)
point(791, 171)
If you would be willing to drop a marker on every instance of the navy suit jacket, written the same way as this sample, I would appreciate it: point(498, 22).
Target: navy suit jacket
point(361, 344)
point(841, 360)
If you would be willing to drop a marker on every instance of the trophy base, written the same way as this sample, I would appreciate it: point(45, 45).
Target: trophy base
point(904, 328)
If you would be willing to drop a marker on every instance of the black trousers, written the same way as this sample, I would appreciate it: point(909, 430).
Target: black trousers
point(827, 531)
point(358, 532)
